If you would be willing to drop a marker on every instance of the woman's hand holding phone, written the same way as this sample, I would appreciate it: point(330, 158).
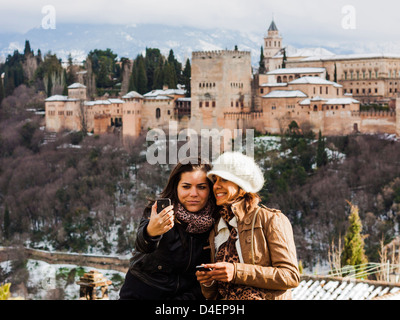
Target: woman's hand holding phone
point(162, 222)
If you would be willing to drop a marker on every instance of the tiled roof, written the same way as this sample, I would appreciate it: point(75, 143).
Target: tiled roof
point(325, 288)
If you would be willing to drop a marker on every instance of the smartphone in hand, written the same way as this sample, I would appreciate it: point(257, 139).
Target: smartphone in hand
point(162, 204)
point(202, 268)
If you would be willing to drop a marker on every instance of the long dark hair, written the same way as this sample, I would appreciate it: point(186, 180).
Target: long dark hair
point(186, 165)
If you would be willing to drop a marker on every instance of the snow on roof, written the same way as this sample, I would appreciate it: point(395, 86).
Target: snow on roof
point(103, 102)
point(285, 94)
point(315, 80)
point(132, 94)
point(292, 52)
point(158, 97)
point(58, 97)
point(330, 101)
point(167, 92)
point(76, 85)
point(296, 70)
point(342, 101)
point(325, 288)
point(351, 56)
point(279, 84)
point(184, 99)
point(116, 101)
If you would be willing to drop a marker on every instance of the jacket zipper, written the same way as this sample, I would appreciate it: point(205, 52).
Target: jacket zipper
point(190, 256)
point(188, 265)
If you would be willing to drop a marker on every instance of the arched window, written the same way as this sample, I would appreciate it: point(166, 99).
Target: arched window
point(158, 113)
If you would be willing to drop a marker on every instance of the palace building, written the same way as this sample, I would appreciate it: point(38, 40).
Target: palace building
point(321, 93)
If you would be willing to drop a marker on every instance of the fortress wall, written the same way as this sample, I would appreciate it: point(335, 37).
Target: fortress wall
point(378, 125)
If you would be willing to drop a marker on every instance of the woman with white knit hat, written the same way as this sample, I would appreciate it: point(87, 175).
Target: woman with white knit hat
point(253, 256)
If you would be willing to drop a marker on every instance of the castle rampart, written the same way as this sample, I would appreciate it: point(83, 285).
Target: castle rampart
point(219, 53)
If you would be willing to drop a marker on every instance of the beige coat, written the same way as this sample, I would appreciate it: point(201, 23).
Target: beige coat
point(269, 261)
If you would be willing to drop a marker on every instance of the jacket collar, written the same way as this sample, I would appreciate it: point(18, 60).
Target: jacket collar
point(238, 208)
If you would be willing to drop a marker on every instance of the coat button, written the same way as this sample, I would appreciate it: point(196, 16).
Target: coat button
point(248, 239)
point(247, 221)
point(268, 296)
point(159, 267)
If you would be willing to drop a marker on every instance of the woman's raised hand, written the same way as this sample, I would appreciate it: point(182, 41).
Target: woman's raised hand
point(162, 222)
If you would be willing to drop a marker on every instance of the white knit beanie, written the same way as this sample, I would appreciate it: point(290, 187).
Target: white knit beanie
point(240, 169)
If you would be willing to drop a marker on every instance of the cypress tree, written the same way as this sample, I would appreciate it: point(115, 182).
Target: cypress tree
point(141, 80)
point(176, 69)
point(322, 157)
point(2, 92)
point(27, 49)
point(353, 252)
point(262, 62)
point(284, 59)
point(187, 73)
point(49, 86)
point(6, 223)
point(170, 76)
point(335, 74)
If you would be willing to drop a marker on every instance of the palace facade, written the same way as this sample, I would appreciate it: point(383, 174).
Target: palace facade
point(319, 93)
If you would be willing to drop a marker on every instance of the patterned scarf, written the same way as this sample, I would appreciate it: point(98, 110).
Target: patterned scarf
point(196, 222)
point(227, 253)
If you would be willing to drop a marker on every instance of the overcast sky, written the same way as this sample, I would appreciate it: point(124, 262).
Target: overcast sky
point(310, 22)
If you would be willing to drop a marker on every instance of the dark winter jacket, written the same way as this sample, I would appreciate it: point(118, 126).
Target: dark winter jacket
point(167, 263)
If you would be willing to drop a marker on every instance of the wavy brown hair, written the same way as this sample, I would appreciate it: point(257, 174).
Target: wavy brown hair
point(186, 165)
point(251, 199)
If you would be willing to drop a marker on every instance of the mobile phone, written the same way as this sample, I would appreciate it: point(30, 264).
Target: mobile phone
point(202, 268)
point(163, 203)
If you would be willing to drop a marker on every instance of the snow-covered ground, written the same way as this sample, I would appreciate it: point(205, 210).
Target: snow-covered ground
point(45, 279)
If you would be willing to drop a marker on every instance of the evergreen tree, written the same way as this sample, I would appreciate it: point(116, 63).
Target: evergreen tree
point(6, 223)
point(70, 74)
point(187, 73)
point(27, 49)
point(158, 81)
point(353, 252)
point(131, 84)
point(322, 157)
point(284, 59)
point(153, 61)
point(13, 72)
point(65, 88)
point(141, 79)
point(49, 86)
point(262, 62)
point(175, 70)
point(335, 74)
point(169, 76)
point(2, 93)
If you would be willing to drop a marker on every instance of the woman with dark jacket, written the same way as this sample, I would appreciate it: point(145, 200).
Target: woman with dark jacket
point(171, 244)
point(252, 247)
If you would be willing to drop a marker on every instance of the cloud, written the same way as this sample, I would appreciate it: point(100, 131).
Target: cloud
point(311, 22)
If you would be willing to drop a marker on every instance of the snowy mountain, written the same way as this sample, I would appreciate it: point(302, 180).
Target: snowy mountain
point(129, 41)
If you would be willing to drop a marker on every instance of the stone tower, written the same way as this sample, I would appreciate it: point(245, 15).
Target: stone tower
point(221, 84)
point(272, 45)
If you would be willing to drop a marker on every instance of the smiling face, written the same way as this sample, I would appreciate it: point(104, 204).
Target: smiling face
point(193, 190)
point(224, 190)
